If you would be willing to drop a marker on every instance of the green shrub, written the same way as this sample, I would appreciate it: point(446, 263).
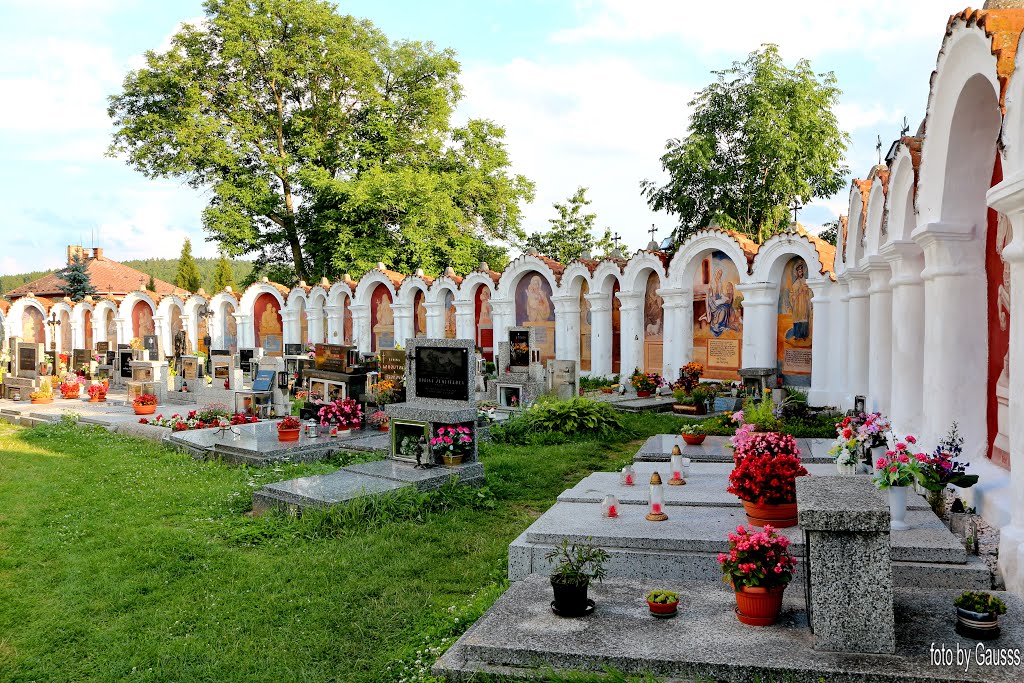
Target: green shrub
point(549, 422)
point(596, 383)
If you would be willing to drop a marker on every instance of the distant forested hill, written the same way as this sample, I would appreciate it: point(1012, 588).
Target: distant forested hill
point(9, 282)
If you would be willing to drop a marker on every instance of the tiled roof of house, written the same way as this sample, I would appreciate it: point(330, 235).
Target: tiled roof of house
point(110, 278)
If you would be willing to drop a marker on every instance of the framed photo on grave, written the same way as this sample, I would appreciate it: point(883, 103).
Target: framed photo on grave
point(264, 380)
point(102, 348)
point(124, 359)
point(221, 371)
point(293, 349)
point(151, 343)
point(142, 373)
point(326, 390)
point(519, 348)
point(442, 373)
point(245, 357)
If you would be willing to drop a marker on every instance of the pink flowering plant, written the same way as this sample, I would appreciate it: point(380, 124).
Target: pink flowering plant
point(346, 413)
point(899, 466)
point(757, 557)
point(943, 467)
point(452, 440)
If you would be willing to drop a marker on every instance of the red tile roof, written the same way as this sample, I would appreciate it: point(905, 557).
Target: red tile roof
point(111, 279)
point(1003, 28)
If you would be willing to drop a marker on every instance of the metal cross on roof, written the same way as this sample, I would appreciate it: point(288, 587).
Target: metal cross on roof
point(615, 239)
point(796, 207)
point(906, 127)
point(878, 147)
point(652, 231)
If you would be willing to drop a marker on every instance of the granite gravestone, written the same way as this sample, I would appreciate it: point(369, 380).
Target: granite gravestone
point(79, 357)
point(392, 365)
point(519, 348)
point(293, 349)
point(102, 348)
point(151, 343)
point(29, 357)
point(124, 360)
point(245, 357)
point(442, 373)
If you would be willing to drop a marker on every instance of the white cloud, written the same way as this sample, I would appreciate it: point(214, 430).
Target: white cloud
point(855, 115)
point(803, 28)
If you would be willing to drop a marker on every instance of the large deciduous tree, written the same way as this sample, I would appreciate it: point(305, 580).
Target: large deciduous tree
point(326, 147)
point(572, 232)
point(760, 135)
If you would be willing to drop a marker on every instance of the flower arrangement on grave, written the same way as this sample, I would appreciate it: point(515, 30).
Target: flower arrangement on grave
point(310, 349)
point(846, 448)
point(44, 394)
point(65, 361)
point(646, 382)
point(97, 392)
point(145, 400)
point(943, 468)
point(762, 416)
point(384, 392)
point(894, 472)
point(689, 376)
point(764, 478)
point(288, 429)
point(663, 602)
point(758, 566)
point(200, 419)
point(135, 344)
point(70, 385)
point(693, 434)
point(378, 420)
point(452, 443)
point(345, 413)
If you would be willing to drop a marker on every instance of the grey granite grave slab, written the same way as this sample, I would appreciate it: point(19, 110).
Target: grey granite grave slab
point(320, 491)
point(423, 479)
point(520, 636)
point(715, 449)
point(651, 404)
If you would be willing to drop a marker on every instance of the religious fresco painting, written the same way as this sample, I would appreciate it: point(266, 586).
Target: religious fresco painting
point(142, 320)
point(484, 322)
point(654, 325)
point(718, 317)
point(176, 326)
point(110, 327)
point(346, 322)
point(794, 338)
point(535, 309)
point(230, 329)
point(303, 323)
point(32, 326)
point(65, 332)
point(997, 272)
point(616, 331)
point(87, 328)
point(382, 320)
point(266, 317)
point(450, 324)
point(586, 328)
point(419, 319)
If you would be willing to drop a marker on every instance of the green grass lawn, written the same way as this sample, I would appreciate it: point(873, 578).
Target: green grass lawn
point(123, 560)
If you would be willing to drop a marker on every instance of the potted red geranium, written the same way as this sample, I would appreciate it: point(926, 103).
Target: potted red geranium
point(70, 386)
point(764, 478)
point(97, 393)
point(758, 566)
point(145, 404)
point(288, 429)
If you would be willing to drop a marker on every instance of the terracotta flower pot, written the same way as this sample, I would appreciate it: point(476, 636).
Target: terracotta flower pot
point(382, 428)
point(97, 399)
point(663, 608)
point(144, 410)
point(606, 390)
point(70, 394)
point(288, 434)
point(38, 401)
point(452, 460)
point(694, 439)
point(779, 515)
point(759, 606)
point(643, 394)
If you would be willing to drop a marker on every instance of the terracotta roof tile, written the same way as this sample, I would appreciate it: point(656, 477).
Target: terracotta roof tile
point(111, 279)
point(844, 222)
point(1003, 27)
point(865, 193)
point(826, 251)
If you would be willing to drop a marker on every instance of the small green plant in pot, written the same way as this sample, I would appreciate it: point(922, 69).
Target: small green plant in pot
point(576, 565)
point(977, 615)
point(663, 603)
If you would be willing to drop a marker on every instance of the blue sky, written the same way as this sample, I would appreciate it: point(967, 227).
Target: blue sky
point(588, 91)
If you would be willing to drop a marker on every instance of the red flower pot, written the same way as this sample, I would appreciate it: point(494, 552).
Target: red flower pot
point(144, 410)
point(779, 515)
point(694, 439)
point(663, 608)
point(382, 428)
point(288, 434)
point(759, 606)
point(643, 394)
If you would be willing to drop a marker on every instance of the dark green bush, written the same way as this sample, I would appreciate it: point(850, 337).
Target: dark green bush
point(595, 383)
point(549, 422)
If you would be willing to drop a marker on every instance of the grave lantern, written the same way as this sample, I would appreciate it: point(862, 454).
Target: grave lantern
point(610, 506)
point(627, 477)
point(686, 468)
point(676, 464)
point(657, 504)
point(859, 404)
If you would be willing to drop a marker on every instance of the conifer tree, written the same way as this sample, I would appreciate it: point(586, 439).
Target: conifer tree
point(223, 276)
point(151, 285)
point(77, 281)
point(188, 275)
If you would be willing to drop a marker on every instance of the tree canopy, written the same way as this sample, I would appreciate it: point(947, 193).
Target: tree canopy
point(325, 147)
point(187, 277)
point(760, 135)
point(77, 281)
point(572, 232)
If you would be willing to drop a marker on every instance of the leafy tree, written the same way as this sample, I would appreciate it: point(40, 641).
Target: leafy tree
point(572, 232)
point(223, 275)
point(326, 147)
point(760, 135)
point(187, 276)
point(76, 278)
point(830, 231)
point(151, 285)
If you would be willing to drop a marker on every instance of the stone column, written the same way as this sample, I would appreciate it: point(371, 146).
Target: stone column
point(822, 352)
point(850, 564)
point(678, 341)
point(600, 334)
point(361, 327)
point(631, 320)
point(1008, 197)
point(435, 319)
point(124, 329)
point(760, 324)
point(955, 335)
point(291, 327)
point(335, 324)
point(857, 334)
point(503, 316)
point(160, 332)
point(840, 343)
point(465, 320)
point(404, 330)
point(880, 341)
point(316, 324)
point(567, 326)
point(77, 335)
point(905, 405)
point(245, 333)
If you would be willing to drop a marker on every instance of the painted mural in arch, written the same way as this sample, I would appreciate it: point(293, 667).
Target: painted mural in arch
point(266, 320)
point(177, 326)
point(65, 332)
point(142, 320)
point(484, 322)
point(718, 317)
point(586, 328)
point(449, 315)
point(230, 329)
point(654, 325)
point(110, 328)
point(87, 328)
point(535, 309)
point(419, 318)
point(997, 271)
point(346, 322)
point(33, 330)
point(794, 330)
point(303, 323)
point(382, 320)
point(616, 330)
